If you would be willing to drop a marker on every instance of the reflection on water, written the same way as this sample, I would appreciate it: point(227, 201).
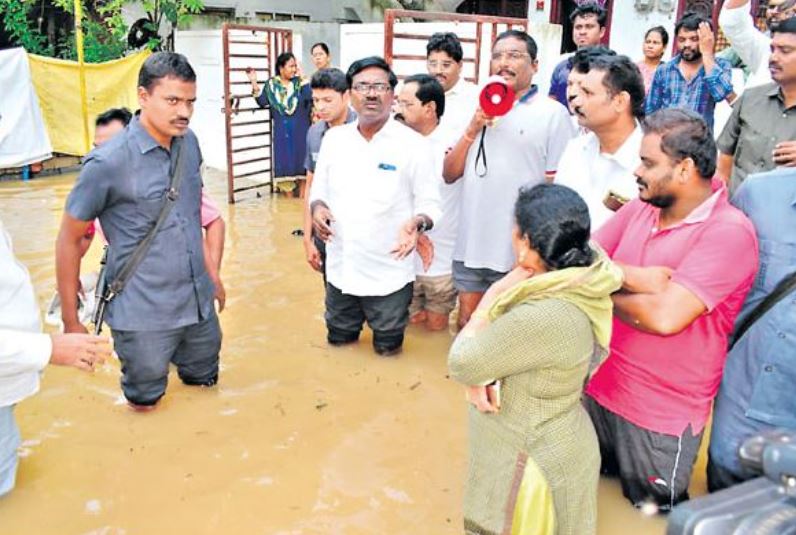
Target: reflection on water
point(297, 438)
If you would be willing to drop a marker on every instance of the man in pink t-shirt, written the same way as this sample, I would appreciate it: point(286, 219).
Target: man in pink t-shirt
point(689, 258)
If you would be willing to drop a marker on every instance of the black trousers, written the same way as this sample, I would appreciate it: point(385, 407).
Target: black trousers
point(720, 478)
point(386, 315)
point(652, 467)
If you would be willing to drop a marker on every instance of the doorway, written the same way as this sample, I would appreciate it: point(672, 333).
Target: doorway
point(559, 14)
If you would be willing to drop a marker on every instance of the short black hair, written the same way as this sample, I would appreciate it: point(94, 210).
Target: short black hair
point(323, 46)
point(622, 74)
point(583, 57)
point(446, 42)
point(662, 31)
point(556, 222)
point(589, 9)
point(329, 79)
point(282, 59)
point(164, 65)
point(428, 90)
point(785, 26)
point(530, 44)
point(691, 21)
point(684, 134)
point(365, 63)
point(123, 115)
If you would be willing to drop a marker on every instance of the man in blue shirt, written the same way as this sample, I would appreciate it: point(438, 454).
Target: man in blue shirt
point(165, 313)
point(756, 393)
point(588, 29)
point(694, 78)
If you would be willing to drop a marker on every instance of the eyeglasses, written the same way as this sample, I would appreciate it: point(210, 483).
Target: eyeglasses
point(364, 89)
point(433, 64)
point(513, 55)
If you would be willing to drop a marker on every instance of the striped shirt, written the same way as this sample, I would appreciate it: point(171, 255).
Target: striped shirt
point(700, 94)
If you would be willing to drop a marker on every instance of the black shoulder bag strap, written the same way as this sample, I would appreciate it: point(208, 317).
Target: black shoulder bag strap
point(141, 250)
point(785, 286)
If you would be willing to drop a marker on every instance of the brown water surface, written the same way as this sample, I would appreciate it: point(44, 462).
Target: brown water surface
point(298, 438)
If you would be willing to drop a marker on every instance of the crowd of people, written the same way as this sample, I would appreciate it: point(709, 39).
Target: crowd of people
point(613, 267)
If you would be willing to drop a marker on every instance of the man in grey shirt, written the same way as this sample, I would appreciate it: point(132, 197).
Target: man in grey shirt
point(165, 313)
point(331, 99)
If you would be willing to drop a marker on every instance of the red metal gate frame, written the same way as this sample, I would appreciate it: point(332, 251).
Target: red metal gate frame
point(277, 40)
point(390, 35)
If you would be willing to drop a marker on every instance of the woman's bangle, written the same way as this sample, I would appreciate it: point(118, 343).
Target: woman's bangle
point(468, 138)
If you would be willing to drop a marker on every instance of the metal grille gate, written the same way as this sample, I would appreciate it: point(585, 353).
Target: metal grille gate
point(404, 49)
point(248, 127)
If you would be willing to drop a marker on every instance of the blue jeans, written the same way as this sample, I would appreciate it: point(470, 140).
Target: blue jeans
point(9, 442)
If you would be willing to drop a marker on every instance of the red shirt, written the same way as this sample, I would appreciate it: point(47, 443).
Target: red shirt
point(665, 383)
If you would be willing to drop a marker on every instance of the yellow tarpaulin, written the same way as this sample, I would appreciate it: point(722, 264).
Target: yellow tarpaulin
point(110, 85)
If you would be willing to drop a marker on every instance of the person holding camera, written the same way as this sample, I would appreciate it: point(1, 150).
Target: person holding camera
point(756, 394)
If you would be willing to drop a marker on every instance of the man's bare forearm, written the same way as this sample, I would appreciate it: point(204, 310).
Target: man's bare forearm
point(214, 237)
point(67, 272)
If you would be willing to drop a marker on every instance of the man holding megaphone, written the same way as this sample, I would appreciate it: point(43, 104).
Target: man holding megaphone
point(514, 139)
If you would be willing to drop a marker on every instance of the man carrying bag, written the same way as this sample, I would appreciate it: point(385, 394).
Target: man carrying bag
point(145, 186)
point(756, 393)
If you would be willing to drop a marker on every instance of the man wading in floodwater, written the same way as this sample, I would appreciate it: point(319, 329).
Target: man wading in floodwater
point(165, 311)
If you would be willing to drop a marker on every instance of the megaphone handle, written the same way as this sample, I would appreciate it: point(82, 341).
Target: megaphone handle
point(481, 154)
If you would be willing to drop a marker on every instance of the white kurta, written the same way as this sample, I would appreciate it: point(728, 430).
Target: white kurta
point(24, 350)
point(372, 188)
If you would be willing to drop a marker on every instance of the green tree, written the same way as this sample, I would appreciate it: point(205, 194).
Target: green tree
point(104, 29)
point(175, 12)
point(16, 21)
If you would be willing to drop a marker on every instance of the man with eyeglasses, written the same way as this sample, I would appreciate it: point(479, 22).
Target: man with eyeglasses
point(494, 158)
point(373, 192)
point(444, 57)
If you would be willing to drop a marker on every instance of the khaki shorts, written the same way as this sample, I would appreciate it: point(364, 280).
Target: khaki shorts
point(433, 294)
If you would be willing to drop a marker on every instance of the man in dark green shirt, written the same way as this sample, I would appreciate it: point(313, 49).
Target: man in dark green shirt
point(761, 132)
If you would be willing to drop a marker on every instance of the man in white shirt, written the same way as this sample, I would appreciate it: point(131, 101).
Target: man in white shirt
point(444, 57)
point(25, 351)
point(608, 100)
point(519, 149)
point(752, 45)
point(373, 192)
point(423, 105)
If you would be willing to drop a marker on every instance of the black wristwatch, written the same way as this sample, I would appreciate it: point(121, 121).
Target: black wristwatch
point(423, 225)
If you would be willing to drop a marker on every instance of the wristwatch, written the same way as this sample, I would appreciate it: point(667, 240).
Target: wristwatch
point(422, 226)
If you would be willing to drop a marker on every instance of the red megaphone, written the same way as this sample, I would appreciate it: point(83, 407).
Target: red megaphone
point(497, 98)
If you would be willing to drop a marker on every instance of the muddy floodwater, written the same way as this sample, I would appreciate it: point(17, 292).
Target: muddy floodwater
point(297, 438)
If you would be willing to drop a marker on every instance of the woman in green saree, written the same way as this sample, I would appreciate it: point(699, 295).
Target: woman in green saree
point(534, 460)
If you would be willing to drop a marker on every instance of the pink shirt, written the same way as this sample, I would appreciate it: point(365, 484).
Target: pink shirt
point(648, 73)
point(209, 213)
point(665, 383)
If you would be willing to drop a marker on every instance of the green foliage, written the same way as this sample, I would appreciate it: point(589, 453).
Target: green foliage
point(175, 12)
point(104, 30)
point(16, 22)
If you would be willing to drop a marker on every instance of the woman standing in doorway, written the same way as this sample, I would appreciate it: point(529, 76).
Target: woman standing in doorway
point(655, 41)
point(290, 102)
